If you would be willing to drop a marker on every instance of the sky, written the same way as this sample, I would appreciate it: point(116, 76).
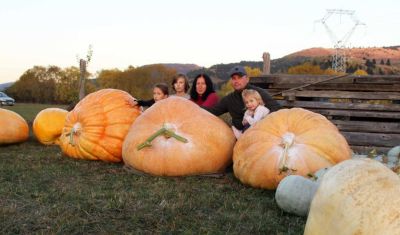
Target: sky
point(206, 32)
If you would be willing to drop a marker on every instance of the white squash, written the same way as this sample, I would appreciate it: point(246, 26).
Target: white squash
point(295, 193)
point(394, 153)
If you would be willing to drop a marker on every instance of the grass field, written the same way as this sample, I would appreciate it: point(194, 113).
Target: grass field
point(42, 191)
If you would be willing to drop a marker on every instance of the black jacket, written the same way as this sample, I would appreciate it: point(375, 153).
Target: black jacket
point(146, 103)
point(233, 103)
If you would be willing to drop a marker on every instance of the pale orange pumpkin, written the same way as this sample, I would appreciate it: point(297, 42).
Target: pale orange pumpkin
point(13, 127)
point(289, 141)
point(48, 125)
point(97, 126)
point(357, 196)
point(191, 140)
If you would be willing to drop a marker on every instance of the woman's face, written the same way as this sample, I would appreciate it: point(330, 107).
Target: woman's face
point(179, 85)
point(158, 94)
point(201, 86)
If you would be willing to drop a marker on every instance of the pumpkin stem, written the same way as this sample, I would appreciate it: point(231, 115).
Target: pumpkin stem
point(168, 133)
point(288, 140)
point(74, 130)
point(282, 165)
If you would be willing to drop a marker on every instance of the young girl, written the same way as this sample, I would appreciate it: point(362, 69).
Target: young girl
point(180, 85)
point(160, 91)
point(255, 109)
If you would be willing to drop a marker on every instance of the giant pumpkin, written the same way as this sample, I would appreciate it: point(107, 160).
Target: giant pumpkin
point(97, 126)
point(358, 196)
point(13, 128)
point(175, 137)
point(48, 125)
point(289, 141)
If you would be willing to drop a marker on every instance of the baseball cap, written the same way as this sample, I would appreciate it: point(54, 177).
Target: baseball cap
point(237, 70)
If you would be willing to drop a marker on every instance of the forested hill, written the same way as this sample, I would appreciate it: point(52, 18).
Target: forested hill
point(375, 60)
point(182, 68)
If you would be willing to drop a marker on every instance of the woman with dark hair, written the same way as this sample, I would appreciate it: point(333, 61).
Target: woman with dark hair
point(180, 85)
point(160, 91)
point(202, 91)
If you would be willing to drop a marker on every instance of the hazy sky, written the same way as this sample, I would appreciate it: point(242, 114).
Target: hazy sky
point(206, 32)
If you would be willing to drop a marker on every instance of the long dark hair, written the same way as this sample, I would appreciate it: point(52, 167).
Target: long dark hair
point(175, 80)
point(209, 89)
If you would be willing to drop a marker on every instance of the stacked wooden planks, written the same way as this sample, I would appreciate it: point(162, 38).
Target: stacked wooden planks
point(366, 109)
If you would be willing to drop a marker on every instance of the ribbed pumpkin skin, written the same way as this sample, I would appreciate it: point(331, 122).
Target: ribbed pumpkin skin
point(359, 196)
point(48, 125)
point(313, 143)
point(99, 124)
point(13, 127)
point(208, 150)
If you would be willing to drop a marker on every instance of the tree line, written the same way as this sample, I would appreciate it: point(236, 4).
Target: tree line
point(56, 85)
point(53, 84)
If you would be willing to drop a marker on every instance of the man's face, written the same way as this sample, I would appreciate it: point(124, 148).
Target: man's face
point(239, 82)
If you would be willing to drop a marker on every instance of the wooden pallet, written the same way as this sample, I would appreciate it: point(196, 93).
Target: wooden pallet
point(366, 109)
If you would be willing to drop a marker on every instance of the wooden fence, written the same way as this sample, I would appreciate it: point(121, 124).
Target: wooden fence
point(366, 109)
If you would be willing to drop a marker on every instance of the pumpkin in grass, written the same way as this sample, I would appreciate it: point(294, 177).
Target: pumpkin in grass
point(13, 127)
point(289, 141)
point(97, 126)
point(175, 137)
point(48, 125)
point(357, 196)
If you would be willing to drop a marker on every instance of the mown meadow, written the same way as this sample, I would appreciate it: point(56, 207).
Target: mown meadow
point(42, 191)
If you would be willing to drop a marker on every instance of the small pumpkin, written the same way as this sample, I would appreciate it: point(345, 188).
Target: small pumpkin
point(358, 196)
point(97, 126)
point(289, 141)
point(13, 127)
point(175, 137)
point(48, 125)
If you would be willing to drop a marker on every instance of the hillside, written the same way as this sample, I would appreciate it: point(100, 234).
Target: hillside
point(4, 86)
point(378, 53)
point(373, 59)
point(182, 68)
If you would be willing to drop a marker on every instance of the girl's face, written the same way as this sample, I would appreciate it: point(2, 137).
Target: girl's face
point(179, 85)
point(251, 103)
point(158, 94)
point(201, 86)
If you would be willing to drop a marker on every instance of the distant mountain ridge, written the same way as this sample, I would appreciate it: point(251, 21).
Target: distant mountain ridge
point(378, 53)
point(182, 68)
point(4, 86)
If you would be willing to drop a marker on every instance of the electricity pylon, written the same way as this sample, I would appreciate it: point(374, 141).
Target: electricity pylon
point(339, 44)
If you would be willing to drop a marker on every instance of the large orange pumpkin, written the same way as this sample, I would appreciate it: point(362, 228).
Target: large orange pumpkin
point(175, 137)
point(97, 126)
point(13, 127)
point(48, 125)
point(289, 141)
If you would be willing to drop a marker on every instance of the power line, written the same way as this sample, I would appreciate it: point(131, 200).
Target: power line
point(339, 44)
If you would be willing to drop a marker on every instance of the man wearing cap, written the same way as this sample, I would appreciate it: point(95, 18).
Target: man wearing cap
point(233, 102)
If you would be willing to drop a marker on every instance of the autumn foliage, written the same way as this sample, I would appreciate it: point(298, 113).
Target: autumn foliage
point(56, 85)
point(308, 68)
